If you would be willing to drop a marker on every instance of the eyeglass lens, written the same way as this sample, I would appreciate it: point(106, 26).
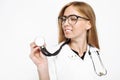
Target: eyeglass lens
point(72, 19)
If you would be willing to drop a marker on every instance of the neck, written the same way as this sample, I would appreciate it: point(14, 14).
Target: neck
point(79, 45)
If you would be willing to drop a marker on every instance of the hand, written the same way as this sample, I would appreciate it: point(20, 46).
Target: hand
point(37, 56)
point(40, 61)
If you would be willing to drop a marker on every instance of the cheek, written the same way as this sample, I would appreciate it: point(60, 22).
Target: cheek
point(81, 26)
point(80, 29)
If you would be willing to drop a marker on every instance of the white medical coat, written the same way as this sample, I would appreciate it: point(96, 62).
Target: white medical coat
point(69, 66)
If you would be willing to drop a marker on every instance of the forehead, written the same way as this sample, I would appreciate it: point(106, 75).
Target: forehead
point(71, 10)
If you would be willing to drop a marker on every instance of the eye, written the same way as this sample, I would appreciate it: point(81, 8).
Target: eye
point(63, 18)
point(73, 18)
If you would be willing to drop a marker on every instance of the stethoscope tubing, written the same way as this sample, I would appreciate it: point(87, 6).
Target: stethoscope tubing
point(47, 53)
point(103, 67)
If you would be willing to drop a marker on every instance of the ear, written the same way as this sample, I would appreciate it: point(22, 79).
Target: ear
point(88, 25)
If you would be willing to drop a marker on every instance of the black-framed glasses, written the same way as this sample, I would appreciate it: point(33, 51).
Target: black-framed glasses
point(72, 19)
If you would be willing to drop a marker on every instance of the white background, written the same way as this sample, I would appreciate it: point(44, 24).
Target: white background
point(22, 20)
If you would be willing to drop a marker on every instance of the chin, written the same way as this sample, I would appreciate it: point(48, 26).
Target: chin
point(68, 36)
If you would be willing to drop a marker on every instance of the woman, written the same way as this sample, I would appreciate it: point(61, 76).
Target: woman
point(77, 23)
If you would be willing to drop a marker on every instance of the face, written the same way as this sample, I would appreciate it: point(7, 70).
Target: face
point(79, 28)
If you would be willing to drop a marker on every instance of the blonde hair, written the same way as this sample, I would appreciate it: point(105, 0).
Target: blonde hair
point(86, 10)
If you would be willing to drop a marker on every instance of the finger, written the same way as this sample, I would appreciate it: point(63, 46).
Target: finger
point(33, 45)
point(35, 53)
point(35, 50)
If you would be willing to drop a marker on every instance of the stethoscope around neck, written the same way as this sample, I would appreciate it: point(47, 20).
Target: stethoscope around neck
point(39, 41)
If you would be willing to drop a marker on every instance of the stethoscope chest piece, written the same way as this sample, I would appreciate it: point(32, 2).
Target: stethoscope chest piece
point(39, 41)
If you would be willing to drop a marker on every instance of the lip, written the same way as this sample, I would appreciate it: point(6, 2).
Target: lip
point(67, 30)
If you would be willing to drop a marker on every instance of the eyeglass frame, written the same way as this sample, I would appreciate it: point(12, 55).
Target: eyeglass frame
point(67, 17)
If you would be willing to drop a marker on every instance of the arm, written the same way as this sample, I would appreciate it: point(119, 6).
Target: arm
point(40, 61)
point(43, 73)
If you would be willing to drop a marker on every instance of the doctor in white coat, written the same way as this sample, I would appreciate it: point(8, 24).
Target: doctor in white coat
point(77, 22)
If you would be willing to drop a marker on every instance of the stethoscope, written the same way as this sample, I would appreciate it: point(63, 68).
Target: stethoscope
point(41, 42)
